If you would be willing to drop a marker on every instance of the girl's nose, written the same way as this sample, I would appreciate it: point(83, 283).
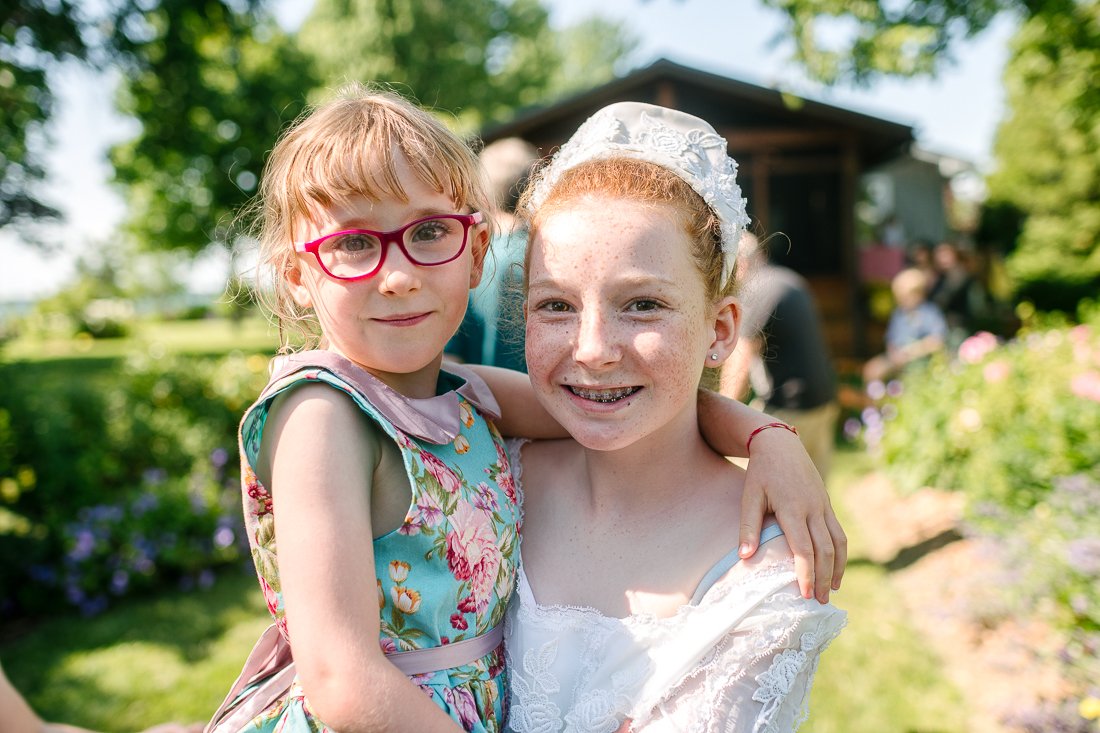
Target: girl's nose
point(398, 275)
point(596, 344)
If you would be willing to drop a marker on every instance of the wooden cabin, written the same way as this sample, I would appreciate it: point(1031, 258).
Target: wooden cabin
point(800, 167)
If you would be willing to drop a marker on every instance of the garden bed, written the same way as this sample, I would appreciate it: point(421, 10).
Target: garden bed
point(1005, 666)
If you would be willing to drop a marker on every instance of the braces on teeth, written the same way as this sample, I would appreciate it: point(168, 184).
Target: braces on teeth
point(604, 395)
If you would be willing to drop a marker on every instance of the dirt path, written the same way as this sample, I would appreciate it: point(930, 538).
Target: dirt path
point(949, 585)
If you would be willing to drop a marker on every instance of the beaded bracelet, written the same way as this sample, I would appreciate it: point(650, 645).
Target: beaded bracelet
point(762, 428)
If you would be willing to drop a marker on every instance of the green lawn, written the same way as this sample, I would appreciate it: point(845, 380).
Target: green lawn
point(879, 676)
point(215, 336)
point(174, 656)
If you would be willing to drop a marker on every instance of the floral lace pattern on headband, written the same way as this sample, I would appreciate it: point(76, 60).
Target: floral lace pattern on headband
point(683, 144)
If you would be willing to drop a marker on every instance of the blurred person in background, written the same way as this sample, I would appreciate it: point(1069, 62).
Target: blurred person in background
point(492, 331)
point(916, 330)
point(956, 292)
point(781, 356)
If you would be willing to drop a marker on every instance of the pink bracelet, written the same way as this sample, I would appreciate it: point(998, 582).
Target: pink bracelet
point(762, 428)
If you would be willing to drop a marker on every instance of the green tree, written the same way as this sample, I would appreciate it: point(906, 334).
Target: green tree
point(212, 84)
point(1044, 202)
point(34, 35)
point(857, 40)
point(476, 59)
point(1048, 154)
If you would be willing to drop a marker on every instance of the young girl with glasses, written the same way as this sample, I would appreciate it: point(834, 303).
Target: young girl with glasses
point(631, 603)
point(378, 497)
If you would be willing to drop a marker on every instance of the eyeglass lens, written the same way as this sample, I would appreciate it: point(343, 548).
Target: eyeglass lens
point(426, 242)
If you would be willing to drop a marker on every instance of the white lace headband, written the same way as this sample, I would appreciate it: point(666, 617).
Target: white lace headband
point(683, 144)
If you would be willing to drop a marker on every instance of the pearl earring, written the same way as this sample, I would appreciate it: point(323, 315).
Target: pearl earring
point(714, 357)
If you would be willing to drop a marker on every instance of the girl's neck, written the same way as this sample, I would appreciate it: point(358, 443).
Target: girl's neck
point(634, 478)
point(419, 384)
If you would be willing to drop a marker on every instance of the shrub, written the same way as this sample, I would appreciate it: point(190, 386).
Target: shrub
point(1014, 427)
point(1001, 422)
point(119, 481)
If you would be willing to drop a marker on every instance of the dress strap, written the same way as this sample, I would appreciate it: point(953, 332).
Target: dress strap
point(730, 559)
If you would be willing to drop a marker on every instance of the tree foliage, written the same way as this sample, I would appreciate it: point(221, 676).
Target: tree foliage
point(33, 35)
point(212, 85)
point(476, 59)
point(858, 40)
point(1048, 150)
point(1044, 202)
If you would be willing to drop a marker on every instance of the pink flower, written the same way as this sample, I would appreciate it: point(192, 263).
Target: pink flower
point(974, 349)
point(472, 552)
point(508, 484)
point(996, 371)
point(1087, 385)
point(444, 475)
point(462, 702)
point(459, 622)
point(270, 596)
point(388, 645)
point(467, 605)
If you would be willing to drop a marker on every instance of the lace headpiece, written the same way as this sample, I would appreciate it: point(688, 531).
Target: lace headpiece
point(683, 144)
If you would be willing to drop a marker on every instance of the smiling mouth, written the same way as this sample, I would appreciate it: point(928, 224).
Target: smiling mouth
point(603, 395)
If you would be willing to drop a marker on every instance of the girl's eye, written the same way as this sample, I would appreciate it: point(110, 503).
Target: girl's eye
point(352, 244)
point(554, 306)
point(433, 230)
point(644, 306)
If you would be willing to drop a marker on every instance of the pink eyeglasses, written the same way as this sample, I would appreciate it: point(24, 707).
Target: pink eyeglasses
point(355, 254)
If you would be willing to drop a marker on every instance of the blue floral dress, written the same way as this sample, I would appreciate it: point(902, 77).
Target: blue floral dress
point(447, 573)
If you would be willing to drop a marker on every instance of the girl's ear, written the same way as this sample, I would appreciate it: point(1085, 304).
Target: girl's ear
point(296, 286)
point(727, 322)
point(479, 250)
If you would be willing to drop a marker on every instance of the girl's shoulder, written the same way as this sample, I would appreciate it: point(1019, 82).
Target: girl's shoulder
point(541, 463)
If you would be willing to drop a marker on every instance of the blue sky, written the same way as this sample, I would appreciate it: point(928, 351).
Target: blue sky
point(955, 114)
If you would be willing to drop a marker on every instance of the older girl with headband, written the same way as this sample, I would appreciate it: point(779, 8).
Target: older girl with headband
point(632, 608)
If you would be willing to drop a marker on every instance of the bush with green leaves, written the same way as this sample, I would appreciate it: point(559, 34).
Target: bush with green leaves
point(1014, 426)
point(1001, 422)
point(114, 480)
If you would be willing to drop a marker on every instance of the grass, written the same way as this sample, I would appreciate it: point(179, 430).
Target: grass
point(879, 676)
point(147, 661)
point(208, 336)
point(173, 657)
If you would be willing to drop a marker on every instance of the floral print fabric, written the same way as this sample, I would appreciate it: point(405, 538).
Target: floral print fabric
point(444, 576)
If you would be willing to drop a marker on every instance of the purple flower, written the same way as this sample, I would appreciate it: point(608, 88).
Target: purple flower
point(876, 390)
point(206, 578)
point(223, 537)
point(1083, 555)
point(852, 427)
point(120, 581)
point(144, 503)
point(83, 547)
point(219, 457)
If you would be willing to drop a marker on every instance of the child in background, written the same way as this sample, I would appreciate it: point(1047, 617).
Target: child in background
point(397, 515)
point(916, 330)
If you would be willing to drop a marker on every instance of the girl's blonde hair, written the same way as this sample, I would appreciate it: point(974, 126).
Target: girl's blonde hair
point(645, 182)
point(349, 147)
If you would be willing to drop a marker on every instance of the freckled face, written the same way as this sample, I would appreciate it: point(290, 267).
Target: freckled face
point(618, 326)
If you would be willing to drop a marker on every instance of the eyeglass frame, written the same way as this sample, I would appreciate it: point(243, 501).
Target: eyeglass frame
point(395, 236)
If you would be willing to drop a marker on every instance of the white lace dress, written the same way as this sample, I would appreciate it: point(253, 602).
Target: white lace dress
point(740, 658)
